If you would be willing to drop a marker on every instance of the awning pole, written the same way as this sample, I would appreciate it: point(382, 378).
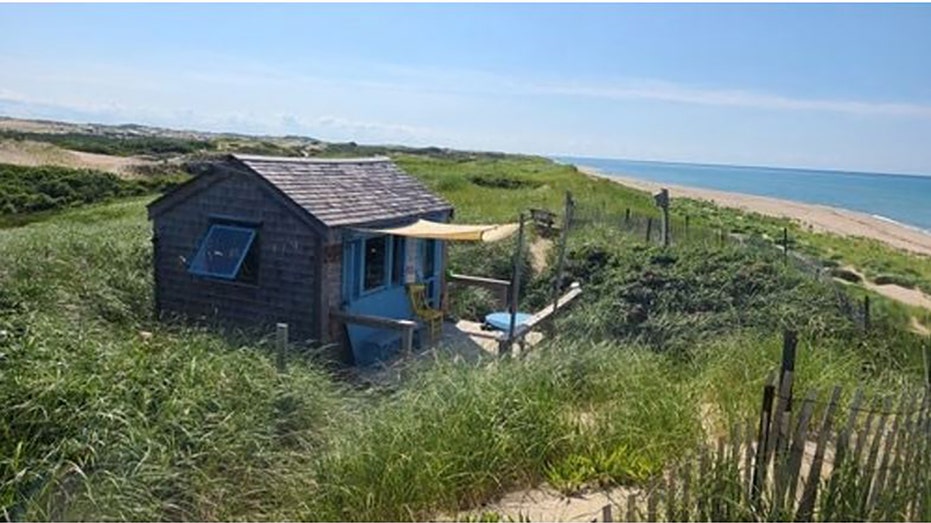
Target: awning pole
point(563, 240)
point(515, 280)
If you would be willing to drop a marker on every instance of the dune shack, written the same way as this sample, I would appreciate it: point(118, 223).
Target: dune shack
point(255, 241)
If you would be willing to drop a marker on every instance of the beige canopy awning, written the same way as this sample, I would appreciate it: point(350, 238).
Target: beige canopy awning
point(449, 231)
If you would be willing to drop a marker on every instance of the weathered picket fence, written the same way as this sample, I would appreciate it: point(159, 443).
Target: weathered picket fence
point(804, 461)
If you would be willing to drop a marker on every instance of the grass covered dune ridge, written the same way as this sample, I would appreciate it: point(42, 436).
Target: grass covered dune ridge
point(100, 422)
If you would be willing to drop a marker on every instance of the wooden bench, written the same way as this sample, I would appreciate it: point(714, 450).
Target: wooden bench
point(544, 220)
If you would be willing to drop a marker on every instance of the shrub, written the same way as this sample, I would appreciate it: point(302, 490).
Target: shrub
point(896, 279)
point(33, 189)
point(846, 275)
point(119, 145)
point(503, 181)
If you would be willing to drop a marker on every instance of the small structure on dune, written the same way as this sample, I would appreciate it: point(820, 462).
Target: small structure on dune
point(347, 252)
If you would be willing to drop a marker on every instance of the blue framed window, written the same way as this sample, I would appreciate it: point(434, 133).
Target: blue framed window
point(224, 252)
point(375, 263)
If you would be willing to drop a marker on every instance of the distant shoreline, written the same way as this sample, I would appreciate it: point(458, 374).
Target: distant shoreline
point(820, 218)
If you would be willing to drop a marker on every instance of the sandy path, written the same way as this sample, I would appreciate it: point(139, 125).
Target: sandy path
point(913, 297)
point(820, 218)
point(538, 251)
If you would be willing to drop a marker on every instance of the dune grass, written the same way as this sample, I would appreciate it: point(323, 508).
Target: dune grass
point(109, 414)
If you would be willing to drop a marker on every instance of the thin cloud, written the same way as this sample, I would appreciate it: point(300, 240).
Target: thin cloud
point(475, 82)
point(667, 92)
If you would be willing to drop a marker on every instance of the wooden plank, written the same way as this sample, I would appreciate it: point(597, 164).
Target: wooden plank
point(874, 453)
point(840, 454)
point(780, 429)
point(407, 341)
point(879, 483)
point(762, 444)
point(897, 479)
point(479, 281)
point(632, 507)
point(789, 478)
point(548, 311)
point(561, 255)
point(606, 514)
point(920, 448)
point(810, 492)
point(671, 498)
point(505, 347)
point(652, 502)
point(500, 288)
point(685, 513)
point(372, 321)
point(701, 484)
point(720, 479)
point(748, 461)
point(862, 436)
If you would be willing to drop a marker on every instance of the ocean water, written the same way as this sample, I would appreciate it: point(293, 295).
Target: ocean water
point(901, 198)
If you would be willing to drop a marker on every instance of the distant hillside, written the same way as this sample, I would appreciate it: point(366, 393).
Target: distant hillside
point(19, 139)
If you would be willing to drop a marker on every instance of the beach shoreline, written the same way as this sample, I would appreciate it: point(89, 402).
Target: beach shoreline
point(819, 218)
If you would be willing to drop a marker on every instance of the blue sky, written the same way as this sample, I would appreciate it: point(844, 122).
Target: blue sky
point(823, 86)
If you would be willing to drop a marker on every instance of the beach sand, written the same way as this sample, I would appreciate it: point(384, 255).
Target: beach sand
point(819, 218)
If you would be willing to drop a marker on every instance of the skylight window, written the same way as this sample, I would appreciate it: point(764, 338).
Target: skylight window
point(222, 252)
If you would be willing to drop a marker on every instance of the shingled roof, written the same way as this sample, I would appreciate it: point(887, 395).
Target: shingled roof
point(352, 191)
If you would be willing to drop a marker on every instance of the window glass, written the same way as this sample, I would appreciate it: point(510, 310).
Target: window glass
point(375, 263)
point(223, 252)
point(429, 259)
point(397, 260)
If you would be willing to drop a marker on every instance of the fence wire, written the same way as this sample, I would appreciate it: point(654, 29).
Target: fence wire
point(683, 231)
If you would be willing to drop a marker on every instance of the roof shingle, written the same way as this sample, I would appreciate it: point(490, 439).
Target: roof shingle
point(351, 191)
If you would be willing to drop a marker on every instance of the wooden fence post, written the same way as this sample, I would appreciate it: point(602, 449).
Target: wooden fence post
point(927, 352)
point(785, 245)
point(515, 283)
point(281, 335)
point(627, 216)
point(789, 345)
point(866, 313)
point(606, 514)
point(563, 240)
point(788, 483)
point(686, 227)
point(806, 506)
point(649, 228)
point(762, 444)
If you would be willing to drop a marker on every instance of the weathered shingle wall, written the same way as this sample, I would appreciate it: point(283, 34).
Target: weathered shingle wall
point(285, 291)
point(333, 290)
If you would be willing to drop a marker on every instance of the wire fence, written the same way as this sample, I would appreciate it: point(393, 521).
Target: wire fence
point(683, 231)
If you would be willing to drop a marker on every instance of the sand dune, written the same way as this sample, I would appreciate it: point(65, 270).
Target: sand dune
point(819, 218)
point(31, 153)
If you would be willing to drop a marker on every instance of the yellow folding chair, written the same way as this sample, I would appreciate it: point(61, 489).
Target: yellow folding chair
point(432, 318)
